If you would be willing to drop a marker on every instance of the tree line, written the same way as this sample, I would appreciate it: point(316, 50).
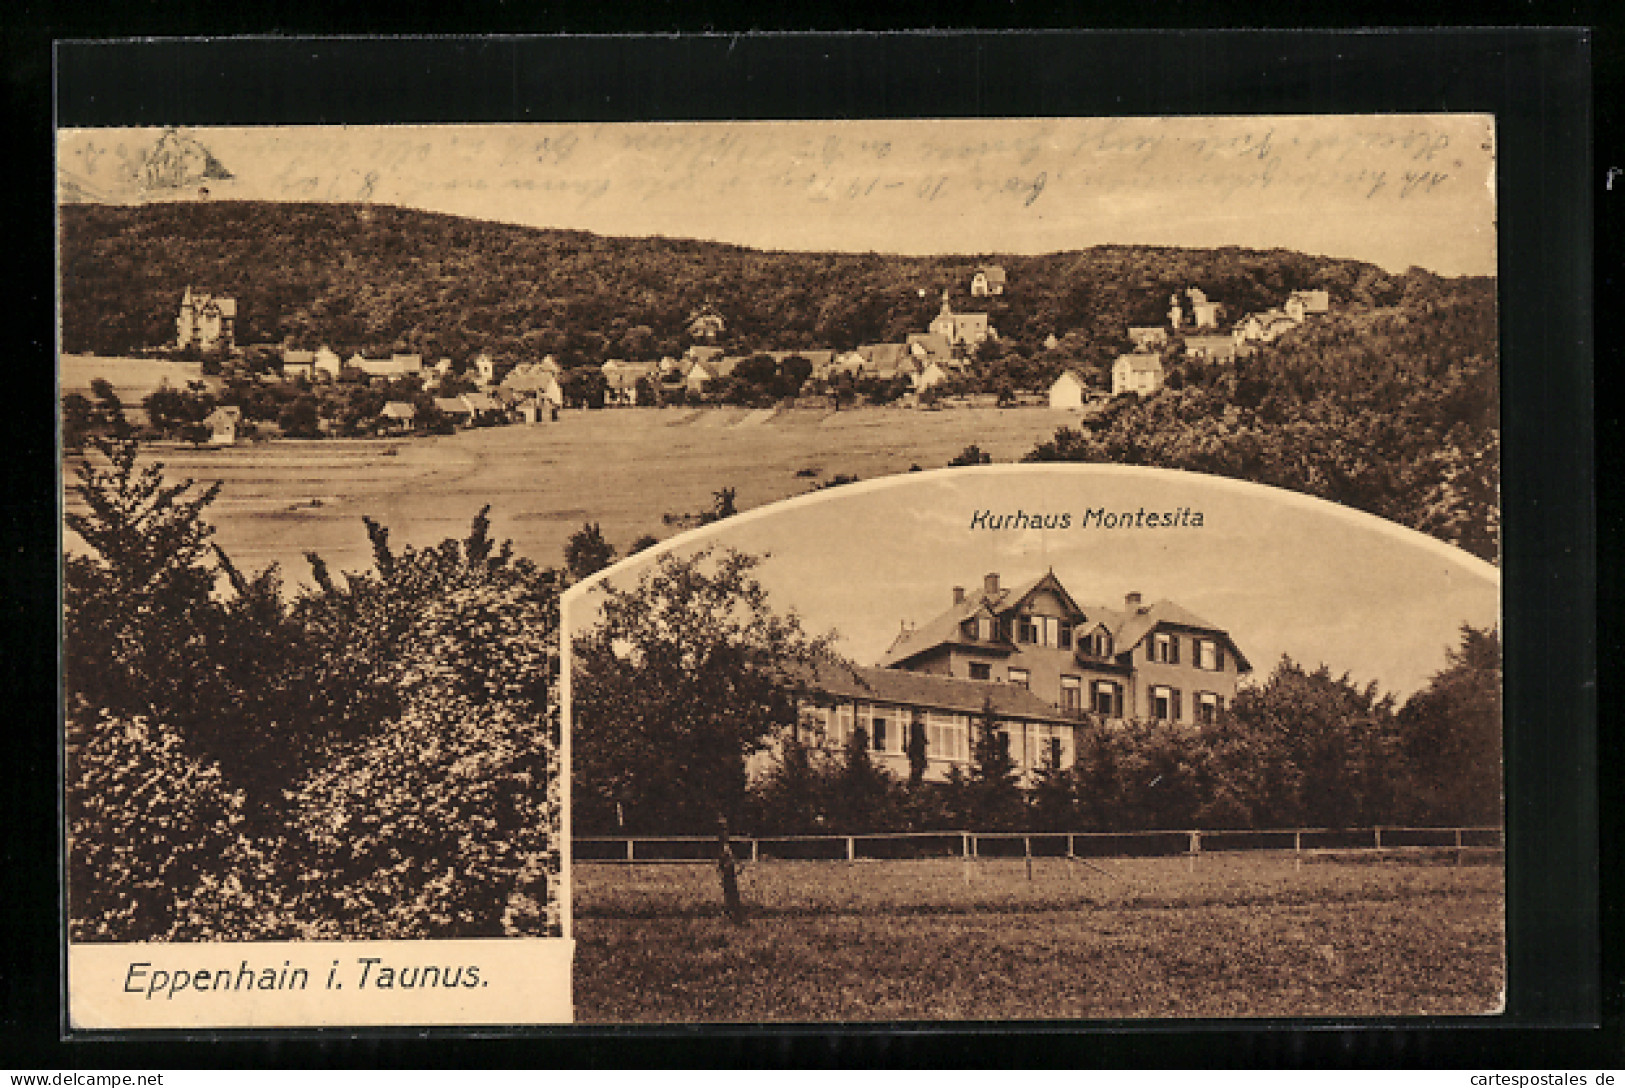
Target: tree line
point(690, 678)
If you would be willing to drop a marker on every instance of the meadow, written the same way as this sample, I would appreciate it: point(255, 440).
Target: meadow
point(622, 468)
point(1252, 935)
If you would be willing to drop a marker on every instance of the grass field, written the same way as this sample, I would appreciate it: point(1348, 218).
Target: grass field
point(1235, 935)
point(621, 468)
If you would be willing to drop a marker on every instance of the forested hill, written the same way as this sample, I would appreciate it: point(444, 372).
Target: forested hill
point(375, 278)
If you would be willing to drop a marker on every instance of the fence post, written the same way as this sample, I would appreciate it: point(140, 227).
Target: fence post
point(1297, 850)
point(964, 853)
point(1379, 838)
point(1195, 846)
point(753, 850)
point(630, 854)
point(1458, 846)
point(851, 854)
point(1071, 848)
point(1027, 850)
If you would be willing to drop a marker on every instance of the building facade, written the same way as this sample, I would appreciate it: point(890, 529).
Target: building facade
point(206, 322)
point(1040, 661)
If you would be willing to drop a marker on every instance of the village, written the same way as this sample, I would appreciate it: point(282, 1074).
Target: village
point(241, 392)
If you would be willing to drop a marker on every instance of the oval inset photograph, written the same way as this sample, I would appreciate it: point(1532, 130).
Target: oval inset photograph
point(1037, 742)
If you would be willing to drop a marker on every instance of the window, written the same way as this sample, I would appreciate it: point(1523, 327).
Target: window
point(1019, 677)
point(1049, 630)
point(1066, 636)
point(946, 736)
point(1071, 693)
point(1026, 631)
point(812, 727)
point(1054, 753)
point(1108, 699)
point(1165, 649)
point(1209, 655)
point(1208, 705)
point(860, 737)
point(984, 628)
point(1165, 704)
point(981, 670)
point(879, 735)
point(843, 726)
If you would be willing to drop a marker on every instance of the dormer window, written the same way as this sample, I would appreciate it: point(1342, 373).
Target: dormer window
point(985, 628)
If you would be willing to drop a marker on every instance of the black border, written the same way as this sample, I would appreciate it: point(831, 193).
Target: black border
point(1537, 82)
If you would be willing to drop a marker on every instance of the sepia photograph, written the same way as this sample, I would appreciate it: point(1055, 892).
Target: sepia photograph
point(1083, 742)
point(892, 701)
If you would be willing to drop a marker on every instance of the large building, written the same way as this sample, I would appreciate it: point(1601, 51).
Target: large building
point(206, 322)
point(1041, 661)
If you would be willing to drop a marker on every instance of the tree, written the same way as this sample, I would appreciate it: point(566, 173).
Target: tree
point(587, 552)
point(134, 605)
point(1451, 735)
point(988, 796)
point(688, 673)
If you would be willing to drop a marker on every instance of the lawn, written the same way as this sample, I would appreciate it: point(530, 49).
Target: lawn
point(624, 469)
point(1251, 935)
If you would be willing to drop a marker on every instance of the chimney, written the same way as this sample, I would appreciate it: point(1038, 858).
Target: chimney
point(990, 584)
point(959, 594)
point(1131, 602)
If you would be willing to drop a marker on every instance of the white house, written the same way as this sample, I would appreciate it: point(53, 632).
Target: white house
point(989, 280)
point(485, 369)
point(223, 423)
point(327, 364)
point(1137, 373)
point(1070, 390)
point(1301, 305)
point(1148, 337)
point(968, 329)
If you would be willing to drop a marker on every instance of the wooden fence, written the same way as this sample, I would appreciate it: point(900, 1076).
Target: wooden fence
point(971, 845)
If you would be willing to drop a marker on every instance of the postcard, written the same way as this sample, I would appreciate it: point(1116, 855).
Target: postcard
point(793, 571)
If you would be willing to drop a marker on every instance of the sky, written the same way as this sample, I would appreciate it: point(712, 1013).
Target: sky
point(1394, 190)
point(1283, 573)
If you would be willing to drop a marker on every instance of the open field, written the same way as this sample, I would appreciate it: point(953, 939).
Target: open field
point(1230, 936)
point(622, 468)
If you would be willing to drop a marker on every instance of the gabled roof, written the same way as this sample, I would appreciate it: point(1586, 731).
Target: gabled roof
point(1139, 363)
point(298, 358)
point(1133, 628)
point(935, 345)
point(399, 409)
point(1127, 629)
point(884, 359)
point(226, 413)
point(1314, 301)
point(931, 691)
point(993, 272)
point(452, 406)
point(1075, 374)
point(482, 402)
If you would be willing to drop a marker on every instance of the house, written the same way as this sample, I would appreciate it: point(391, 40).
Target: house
point(326, 364)
point(396, 366)
point(485, 406)
point(223, 423)
point(1204, 314)
point(621, 380)
point(534, 381)
point(928, 347)
point(1214, 348)
point(299, 364)
point(701, 375)
point(1071, 390)
point(968, 329)
point(705, 323)
point(884, 361)
point(397, 415)
point(932, 374)
point(988, 280)
point(1301, 305)
point(456, 409)
point(1043, 663)
point(206, 322)
point(1148, 337)
point(1264, 328)
point(485, 369)
point(1137, 373)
